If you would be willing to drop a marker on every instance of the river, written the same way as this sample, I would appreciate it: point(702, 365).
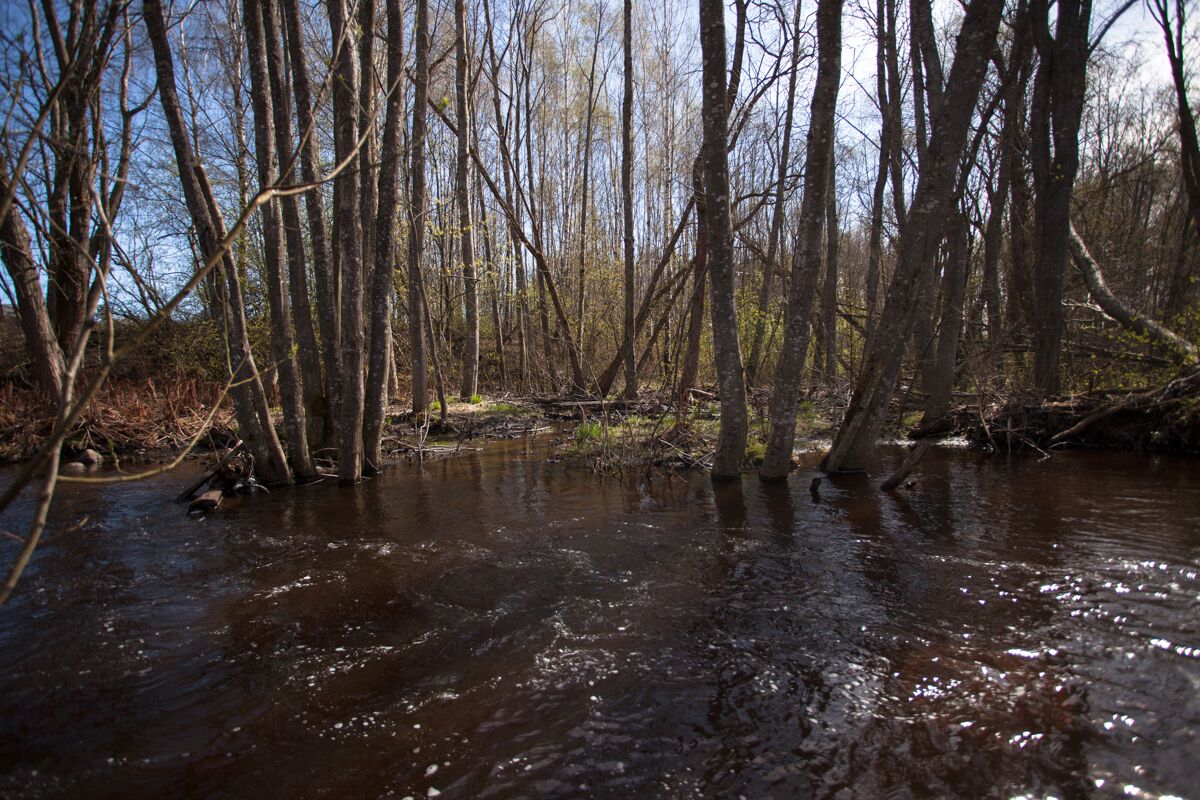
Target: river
point(500, 625)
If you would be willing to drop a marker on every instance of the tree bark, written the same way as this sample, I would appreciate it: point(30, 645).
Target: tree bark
point(919, 242)
point(1059, 91)
point(778, 211)
point(731, 441)
point(283, 340)
point(379, 357)
point(308, 354)
point(470, 368)
point(806, 268)
point(349, 234)
point(417, 212)
point(249, 399)
point(630, 330)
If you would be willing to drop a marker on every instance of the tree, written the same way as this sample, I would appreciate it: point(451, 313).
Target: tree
point(919, 242)
point(806, 267)
point(470, 366)
point(630, 331)
point(731, 441)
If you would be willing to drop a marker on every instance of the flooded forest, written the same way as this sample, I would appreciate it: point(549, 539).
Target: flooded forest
point(574, 398)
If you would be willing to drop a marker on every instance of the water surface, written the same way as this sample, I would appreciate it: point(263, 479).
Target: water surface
point(499, 626)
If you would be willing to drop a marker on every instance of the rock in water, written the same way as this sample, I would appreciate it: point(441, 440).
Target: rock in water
point(90, 458)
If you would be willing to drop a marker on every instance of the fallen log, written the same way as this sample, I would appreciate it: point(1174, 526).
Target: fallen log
point(206, 502)
point(195, 485)
point(915, 454)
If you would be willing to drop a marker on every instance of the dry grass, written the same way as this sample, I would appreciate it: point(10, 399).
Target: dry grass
point(127, 417)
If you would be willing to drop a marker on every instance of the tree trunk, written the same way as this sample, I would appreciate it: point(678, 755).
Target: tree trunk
point(379, 359)
point(920, 239)
point(283, 339)
point(806, 267)
point(829, 296)
point(1058, 107)
point(248, 396)
point(307, 353)
point(940, 379)
point(731, 441)
point(770, 265)
point(325, 276)
point(470, 373)
point(349, 234)
point(630, 331)
point(417, 212)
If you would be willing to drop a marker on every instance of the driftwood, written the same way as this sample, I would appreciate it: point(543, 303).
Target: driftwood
point(194, 487)
point(206, 502)
point(915, 454)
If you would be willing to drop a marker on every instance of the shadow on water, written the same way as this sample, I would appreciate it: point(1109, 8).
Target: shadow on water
point(497, 625)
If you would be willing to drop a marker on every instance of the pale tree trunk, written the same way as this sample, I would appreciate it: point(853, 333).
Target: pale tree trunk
point(731, 441)
point(349, 233)
point(630, 333)
point(283, 339)
point(1179, 348)
point(462, 181)
point(307, 354)
point(416, 212)
point(379, 358)
point(770, 265)
point(923, 230)
point(248, 395)
point(324, 274)
point(806, 266)
point(1058, 107)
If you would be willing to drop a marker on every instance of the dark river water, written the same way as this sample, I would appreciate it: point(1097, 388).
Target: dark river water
point(499, 626)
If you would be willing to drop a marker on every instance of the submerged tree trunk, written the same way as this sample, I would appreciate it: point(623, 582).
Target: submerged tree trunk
point(731, 441)
point(283, 339)
point(806, 267)
point(919, 242)
point(248, 395)
point(349, 233)
point(379, 359)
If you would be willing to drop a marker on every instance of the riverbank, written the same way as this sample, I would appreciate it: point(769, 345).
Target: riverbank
point(145, 421)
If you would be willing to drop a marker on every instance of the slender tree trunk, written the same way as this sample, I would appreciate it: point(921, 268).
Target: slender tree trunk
point(40, 341)
point(940, 379)
point(829, 295)
point(248, 395)
point(920, 239)
point(587, 170)
point(1059, 96)
point(417, 212)
point(308, 354)
point(379, 359)
point(470, 373)
point(770, 265)
point(283, 339)
point(324, 273)
point(350, 240)
point(731, 441)
point(630, 331)
point(806, 268)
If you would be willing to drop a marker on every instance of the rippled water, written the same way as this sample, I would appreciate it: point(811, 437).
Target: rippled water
point(500, 626)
